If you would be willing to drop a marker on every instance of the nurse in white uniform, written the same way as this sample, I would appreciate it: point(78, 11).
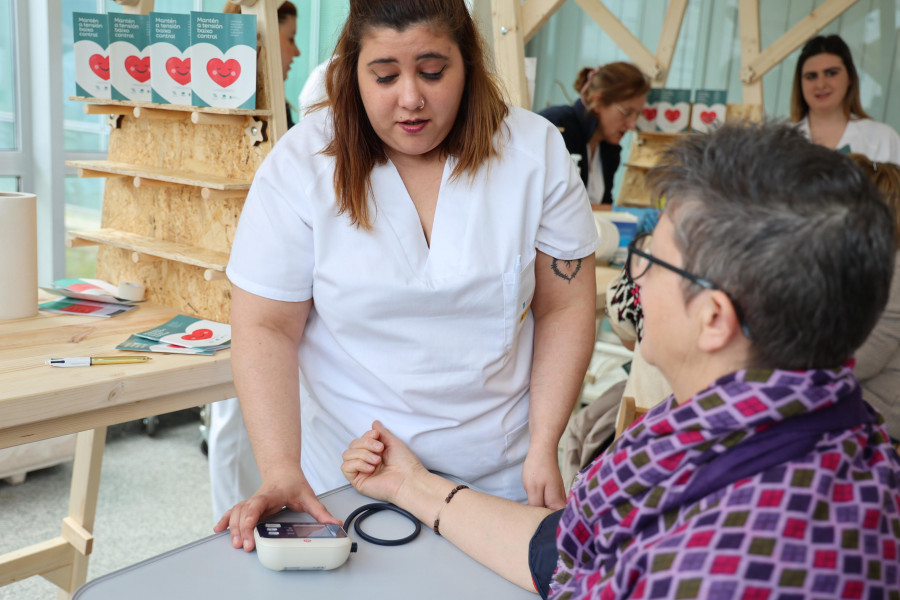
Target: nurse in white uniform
point(825, 103)
point(423, 252)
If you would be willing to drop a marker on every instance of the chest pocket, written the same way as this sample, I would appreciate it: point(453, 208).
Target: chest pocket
point(518, 291)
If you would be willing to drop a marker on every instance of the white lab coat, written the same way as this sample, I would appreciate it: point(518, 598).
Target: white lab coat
point(434, 342)
point(876, 140)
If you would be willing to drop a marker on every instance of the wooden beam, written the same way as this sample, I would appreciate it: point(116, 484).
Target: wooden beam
point(748, 15)
point(536, 13)
point(793, 38)
point(665, 50)
point(620, 34)
point(509, 49)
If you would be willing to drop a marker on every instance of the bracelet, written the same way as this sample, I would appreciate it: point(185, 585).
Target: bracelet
point(437, 521)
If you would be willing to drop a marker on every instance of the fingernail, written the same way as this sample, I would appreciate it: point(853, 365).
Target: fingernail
point(247, 545)
point(234, 542)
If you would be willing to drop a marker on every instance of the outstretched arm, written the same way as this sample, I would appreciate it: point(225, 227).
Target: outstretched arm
point(494, 531)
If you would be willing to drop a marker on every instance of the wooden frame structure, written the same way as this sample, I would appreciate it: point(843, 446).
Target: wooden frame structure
point(515, 22)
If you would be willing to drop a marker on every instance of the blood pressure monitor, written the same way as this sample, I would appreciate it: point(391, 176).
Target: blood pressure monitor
point(301, 546)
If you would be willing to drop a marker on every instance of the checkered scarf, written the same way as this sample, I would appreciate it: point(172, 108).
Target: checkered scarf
point(824, 525)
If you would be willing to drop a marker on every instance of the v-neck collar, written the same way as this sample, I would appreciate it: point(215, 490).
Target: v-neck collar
point(395, 205)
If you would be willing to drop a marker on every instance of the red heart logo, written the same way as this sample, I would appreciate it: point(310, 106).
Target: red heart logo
point(224, 73)
point(198, 334)
point(649, 113)
point(707, 116)
point(179, 70)
point(139, 68)
point(99, 65)
point(672, 115)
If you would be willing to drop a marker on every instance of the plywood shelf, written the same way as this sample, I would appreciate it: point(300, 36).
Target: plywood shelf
point(94, 168)
point(182, 253)
point(174, 107)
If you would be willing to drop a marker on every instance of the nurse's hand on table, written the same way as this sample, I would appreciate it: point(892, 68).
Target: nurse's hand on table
point(378, 464)
point(287, 488)
point(542, 480)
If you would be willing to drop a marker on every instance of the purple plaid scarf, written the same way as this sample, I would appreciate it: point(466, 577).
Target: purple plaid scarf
point(823, 523)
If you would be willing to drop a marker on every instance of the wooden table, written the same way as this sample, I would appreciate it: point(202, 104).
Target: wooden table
point(39, 402)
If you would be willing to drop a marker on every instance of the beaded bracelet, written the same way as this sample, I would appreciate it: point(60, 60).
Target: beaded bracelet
point(437, 521)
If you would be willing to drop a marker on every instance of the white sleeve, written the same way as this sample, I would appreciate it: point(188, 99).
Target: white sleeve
point(272, 255)
point(567, 230)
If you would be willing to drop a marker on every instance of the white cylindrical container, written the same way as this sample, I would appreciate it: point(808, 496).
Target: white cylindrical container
point(18, 256)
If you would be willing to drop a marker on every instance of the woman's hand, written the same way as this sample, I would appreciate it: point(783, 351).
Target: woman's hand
point(279, 490)
point(543, 481)
point(378, 464)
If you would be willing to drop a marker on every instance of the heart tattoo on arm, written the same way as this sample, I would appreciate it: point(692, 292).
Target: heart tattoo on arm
point(567, 269)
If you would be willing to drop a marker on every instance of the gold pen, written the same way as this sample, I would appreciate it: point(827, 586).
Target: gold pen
point(87, 361)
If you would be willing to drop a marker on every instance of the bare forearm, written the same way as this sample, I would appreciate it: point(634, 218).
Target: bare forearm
point(494, 531)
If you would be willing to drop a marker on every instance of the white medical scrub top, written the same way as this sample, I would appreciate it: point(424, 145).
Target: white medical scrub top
point(434, 342)
point(876, 140)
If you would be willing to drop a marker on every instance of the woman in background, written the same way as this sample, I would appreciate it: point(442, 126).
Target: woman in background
point(825, 102)
point(610, 99)
point(878, 359)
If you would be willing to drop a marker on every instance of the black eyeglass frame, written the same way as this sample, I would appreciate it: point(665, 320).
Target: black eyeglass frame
point(701, 281)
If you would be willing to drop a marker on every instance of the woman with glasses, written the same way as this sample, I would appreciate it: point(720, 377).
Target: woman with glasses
point(610, 99)
point(765, 474)
point(826, 105)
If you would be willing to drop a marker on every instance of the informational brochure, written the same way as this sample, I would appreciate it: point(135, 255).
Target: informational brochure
point(708, 111)
point(191, 332)
point(137, 343)
point(223, 60)
point(129, 56)
point(170, 41)
point(89, 308)
point(91, 52)
point(86, 289)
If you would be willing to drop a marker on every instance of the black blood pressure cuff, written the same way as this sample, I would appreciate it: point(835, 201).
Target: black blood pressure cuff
point(542, 553)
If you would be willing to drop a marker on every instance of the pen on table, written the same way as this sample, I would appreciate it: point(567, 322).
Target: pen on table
point(87, 361)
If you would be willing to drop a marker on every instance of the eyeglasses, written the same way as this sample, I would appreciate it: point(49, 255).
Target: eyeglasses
point(626, 112)
point(639, 260)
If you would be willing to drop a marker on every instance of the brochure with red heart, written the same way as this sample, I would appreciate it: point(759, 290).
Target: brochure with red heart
point(91, 50)
point(170, 73)
point(187, 332)
point(646, 121)
point(708, 111)
point(129, 57)
point(223, 60)
point(137, 343)
point(673, 110)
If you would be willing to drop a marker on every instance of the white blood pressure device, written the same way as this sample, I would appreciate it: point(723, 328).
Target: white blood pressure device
point(301, 546)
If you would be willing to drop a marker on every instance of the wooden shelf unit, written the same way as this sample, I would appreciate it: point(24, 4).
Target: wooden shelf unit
point(176, 180)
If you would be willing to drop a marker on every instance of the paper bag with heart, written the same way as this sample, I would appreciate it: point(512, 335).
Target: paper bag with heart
point(129, 58)
point(708, 111)
point(673, 110)
point(170, 76)
point(91, 36)
point(223, 60)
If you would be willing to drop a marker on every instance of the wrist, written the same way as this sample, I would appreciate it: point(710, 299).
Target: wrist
point(423, 494)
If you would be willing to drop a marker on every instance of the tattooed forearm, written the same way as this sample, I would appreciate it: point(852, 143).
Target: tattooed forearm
point(567, 269)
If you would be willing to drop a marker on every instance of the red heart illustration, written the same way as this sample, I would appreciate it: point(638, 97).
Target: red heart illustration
point(707, 116)
point(179, 70)
point(100, 66)
point(80, 309)
point(198, 334)
point(223, 73)
point(672, 115)
point(139, 68)
point(649, 113)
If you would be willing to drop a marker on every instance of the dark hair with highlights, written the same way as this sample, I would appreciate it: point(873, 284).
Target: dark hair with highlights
point(355, 145)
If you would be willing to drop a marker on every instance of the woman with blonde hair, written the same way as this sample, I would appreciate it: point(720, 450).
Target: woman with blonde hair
point(417, 248)
point(610, 99)
point(826, 105)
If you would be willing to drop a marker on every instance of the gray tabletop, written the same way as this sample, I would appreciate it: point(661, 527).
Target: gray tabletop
point(428, 567)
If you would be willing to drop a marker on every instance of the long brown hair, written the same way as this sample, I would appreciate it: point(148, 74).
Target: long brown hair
point(613, 82)
point(355, 145)
point(886, 177)
point(831, 44)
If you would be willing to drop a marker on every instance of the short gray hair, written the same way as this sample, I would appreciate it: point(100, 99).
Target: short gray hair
point(795, 233)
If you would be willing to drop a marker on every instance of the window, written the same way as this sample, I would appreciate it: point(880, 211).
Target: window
point(7, 78)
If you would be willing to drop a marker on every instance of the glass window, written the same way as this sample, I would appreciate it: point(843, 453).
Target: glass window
point(9, 184)
point(7, 78)
point(84, 199)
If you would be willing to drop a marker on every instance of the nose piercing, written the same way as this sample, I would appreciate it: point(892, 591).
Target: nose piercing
point(421, 106)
